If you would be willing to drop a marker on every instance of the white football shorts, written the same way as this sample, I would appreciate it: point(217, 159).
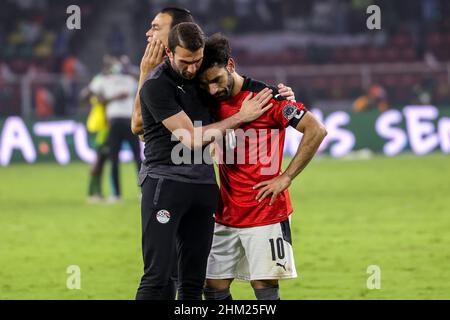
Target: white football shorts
point(256, 253)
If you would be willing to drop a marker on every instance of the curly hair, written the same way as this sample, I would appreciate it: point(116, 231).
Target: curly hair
point(217, 52)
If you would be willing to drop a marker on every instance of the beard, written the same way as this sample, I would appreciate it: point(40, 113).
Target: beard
point(187, 75)
point(225, 94)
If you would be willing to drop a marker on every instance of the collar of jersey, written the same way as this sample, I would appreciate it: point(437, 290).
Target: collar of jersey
point(244, 90)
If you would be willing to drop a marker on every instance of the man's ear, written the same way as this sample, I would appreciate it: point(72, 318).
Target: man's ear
point(231, 65)
point(169, 53)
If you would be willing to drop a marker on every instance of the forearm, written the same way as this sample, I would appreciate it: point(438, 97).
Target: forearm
point(137, 126)
point(307, 149)
point(217, 130)
point(182, 127)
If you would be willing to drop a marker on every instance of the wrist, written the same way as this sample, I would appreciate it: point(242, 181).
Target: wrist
point(289, 176)
point(238, 119)
point(142, 77)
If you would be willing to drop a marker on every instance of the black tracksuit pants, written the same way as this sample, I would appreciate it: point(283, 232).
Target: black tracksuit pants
point(177, 232)
point(120, 131)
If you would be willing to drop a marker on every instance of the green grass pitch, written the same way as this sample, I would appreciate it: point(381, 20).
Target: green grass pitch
point(389, 212)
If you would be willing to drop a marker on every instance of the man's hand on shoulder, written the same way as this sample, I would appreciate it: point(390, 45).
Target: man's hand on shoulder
point(253, 108)
point(286, 92)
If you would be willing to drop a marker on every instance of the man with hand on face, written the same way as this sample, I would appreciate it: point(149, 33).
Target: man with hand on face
point(155, 52)
point(252, 238)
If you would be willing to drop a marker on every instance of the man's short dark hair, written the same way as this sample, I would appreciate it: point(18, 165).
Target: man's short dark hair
point(179, 15)
point(217, 52)
point(187, 35)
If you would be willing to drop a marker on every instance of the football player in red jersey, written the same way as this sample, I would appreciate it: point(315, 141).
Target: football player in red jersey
point(252, 238)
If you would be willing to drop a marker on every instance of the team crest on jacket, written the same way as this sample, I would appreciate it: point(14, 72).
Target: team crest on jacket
point(289, 111)
point(163, 216)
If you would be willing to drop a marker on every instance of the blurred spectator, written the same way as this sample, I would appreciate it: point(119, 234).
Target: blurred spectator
point(430, 60)
point(423, 92)
point(44, 102)
point(128, 67)
point(374, 99)
point(35, 40)
point(73, 70)
point(5, 71)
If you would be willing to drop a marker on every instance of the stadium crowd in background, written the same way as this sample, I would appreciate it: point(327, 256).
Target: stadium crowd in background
point(318, 32)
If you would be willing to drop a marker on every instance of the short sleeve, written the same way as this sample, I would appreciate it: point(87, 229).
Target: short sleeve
point(287, 113)
point(158, 96)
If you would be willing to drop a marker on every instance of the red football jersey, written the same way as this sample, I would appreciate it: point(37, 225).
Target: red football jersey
point(252, 154)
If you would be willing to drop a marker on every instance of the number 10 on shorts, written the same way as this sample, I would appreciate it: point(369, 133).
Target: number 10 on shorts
point(277, 248)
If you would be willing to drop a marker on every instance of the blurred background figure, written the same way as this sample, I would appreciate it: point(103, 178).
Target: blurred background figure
point(73, 70)
point(374, 99)
point(98, 125)
point(111, 94)
point(422, 93)
point(116, 92)
point(128, 67)
point(44, 102)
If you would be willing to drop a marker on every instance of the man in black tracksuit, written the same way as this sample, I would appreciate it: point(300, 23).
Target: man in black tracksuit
point(179, 190)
